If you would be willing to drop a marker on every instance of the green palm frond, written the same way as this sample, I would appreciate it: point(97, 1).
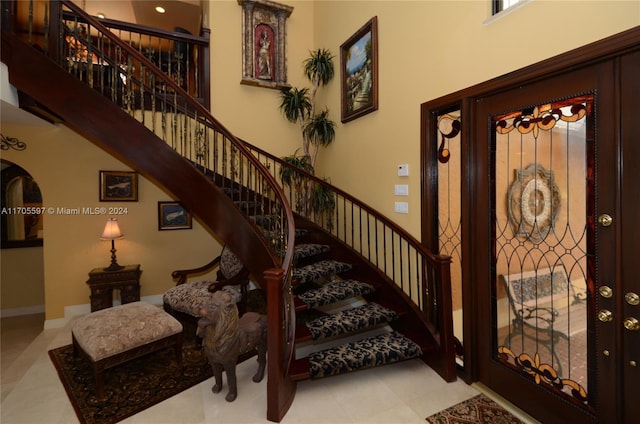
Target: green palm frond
point(320, 130)
point(295, 104)
point(319, 67)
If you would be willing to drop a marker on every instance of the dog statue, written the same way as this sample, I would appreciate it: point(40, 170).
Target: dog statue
point(225, 336)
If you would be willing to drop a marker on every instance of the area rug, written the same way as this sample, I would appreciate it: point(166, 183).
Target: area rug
point(478, 409)
point(130, 387)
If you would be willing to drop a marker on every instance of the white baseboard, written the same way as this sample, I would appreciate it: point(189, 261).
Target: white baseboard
point(69, 311)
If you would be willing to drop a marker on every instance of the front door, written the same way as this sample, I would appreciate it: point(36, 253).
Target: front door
point(558, 243)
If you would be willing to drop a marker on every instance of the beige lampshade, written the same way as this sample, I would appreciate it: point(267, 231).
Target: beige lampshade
point(111, 230)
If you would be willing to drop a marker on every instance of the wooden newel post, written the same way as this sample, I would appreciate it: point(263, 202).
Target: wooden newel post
point(280, 388)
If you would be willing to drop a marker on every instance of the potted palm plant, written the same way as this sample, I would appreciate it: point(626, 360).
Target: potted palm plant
point(299, 106)
point(317, 129)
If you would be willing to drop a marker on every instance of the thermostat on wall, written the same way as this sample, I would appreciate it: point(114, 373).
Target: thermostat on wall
point(403, 170)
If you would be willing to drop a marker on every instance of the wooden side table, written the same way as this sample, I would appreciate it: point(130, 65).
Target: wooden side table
point(102, 283)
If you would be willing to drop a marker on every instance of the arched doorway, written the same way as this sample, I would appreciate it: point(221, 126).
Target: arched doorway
point(22, 223)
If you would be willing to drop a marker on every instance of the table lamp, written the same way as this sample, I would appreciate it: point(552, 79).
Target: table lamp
point(112, 232)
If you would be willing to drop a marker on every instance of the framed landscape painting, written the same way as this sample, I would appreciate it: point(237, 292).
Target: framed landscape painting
point(359, 72)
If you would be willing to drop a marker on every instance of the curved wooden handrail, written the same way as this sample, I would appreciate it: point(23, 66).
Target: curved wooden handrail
point(201, 114)
point(421, 276)
point(370, 210)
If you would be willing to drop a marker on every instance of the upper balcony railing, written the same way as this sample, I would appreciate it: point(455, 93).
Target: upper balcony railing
point(181, 55)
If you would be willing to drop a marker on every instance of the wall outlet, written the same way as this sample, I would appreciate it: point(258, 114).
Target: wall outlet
point(403, 170)
point(401, 207)
point(401, 190)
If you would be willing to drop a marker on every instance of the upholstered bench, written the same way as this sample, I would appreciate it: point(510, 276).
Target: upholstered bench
point(112, 336)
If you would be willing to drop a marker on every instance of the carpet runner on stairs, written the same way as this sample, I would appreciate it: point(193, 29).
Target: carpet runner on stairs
point(318, 270)
point(348, 321)
point(320, 286)
point(308, 250)
point(380, 350)
point(317, 284)
point(332, 293)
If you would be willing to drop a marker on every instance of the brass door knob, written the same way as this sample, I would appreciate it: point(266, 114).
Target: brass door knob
point(605, 315)
point(631, 324)
point(605, 220)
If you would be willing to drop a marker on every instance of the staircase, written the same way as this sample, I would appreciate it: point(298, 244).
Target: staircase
point(345, 292)
point(347, 317)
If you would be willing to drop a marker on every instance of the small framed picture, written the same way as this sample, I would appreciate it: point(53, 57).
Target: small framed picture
point(359, 72)
point(173, 216)
point(118, 186)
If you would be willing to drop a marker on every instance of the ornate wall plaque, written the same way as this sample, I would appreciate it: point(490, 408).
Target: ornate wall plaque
point(264, 33)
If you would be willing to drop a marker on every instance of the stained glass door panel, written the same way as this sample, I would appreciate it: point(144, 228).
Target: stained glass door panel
point(540, 258)
point(449, 158)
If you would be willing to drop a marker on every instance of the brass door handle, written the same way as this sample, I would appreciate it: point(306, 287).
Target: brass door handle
point(605, 220)
point(631, 324)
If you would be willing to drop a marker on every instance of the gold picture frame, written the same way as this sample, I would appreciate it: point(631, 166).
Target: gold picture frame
point(264, 32)
point(173, 216)
point(118, 186)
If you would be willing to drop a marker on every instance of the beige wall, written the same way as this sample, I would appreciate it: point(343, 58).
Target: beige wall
point(426, 49)
point(249, 112)
point(22, 281)
point(72, 245)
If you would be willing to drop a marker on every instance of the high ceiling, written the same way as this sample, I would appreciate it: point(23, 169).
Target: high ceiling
point(184, 13)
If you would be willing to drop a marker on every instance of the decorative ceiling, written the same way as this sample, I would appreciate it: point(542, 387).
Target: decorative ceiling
point(185, 13)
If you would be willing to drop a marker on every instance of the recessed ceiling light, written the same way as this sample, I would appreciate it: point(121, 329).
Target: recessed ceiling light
point(160, 9)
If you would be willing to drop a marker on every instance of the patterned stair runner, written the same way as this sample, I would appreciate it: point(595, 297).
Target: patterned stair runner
point(307, 250)
point(371, 352)
point(380, 350)
point(317, 270)
point(349, 321)
point(334, 292)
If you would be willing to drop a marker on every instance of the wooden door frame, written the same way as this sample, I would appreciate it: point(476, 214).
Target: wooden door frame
point(473, 161)
point(630, 203)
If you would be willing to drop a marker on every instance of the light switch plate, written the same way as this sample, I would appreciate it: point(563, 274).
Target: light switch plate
point(401, 190)
point(401, 207)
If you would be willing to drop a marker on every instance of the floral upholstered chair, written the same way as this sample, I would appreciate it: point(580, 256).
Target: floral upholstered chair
point(185, 300)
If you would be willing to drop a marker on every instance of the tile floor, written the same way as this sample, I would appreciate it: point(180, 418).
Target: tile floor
point(407, 392)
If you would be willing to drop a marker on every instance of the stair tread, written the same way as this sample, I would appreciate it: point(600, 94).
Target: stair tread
point(349, 321)
point(371, 352)
point(267, 222)
point(318, 270)
point(334, 292)
point(307, 250)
